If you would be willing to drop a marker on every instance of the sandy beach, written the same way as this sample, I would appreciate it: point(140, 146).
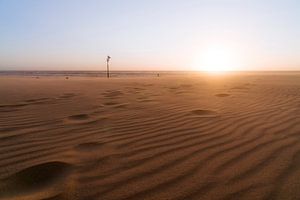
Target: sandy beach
point(195, 136)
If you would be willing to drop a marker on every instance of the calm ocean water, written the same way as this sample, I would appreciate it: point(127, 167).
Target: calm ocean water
point(88, 73)
point(127, 73)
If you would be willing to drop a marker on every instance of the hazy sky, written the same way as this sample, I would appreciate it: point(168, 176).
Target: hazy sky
point(148, 34)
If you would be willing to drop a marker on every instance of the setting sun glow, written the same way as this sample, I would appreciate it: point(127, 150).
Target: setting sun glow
point(216, 59)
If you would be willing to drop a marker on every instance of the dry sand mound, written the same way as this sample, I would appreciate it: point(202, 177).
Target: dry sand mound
point(34, 178)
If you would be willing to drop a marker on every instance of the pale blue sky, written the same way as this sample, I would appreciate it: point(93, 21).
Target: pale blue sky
point(147, 34)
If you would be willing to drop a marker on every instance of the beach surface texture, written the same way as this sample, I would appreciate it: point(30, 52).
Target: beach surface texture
point(173, 137)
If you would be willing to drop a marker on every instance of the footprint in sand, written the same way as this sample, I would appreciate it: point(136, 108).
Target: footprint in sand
point(35, 178)
point(81, 119)
point(204, 113)
point(222, 95)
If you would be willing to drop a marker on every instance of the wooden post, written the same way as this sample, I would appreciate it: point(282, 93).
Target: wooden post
point(107, 66)
point(107, 69)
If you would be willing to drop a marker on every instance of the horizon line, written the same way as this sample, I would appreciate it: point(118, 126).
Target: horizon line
point(129, 70)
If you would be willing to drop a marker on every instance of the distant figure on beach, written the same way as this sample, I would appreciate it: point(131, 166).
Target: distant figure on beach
point(157, 74)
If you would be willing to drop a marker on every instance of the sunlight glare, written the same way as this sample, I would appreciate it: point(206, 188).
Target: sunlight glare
point(216, 59)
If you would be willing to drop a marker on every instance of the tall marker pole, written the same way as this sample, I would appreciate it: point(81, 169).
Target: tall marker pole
point(107, 66)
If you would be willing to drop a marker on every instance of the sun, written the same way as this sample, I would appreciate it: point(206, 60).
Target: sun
point(216, 59)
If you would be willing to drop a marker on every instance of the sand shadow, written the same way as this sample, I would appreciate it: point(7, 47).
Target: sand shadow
point(34, 178)
point(222, 95)
point(204, 113)
point(67, 96)
point(82, 119)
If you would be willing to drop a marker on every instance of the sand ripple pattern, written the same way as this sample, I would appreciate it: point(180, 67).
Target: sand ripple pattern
point(144, 139)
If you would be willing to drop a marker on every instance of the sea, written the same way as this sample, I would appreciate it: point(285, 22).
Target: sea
point(127, 73)
point(89, 73)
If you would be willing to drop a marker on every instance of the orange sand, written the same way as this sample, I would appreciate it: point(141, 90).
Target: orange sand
point(234, 136)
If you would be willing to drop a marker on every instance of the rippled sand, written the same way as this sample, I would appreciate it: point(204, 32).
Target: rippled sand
point(234, 136)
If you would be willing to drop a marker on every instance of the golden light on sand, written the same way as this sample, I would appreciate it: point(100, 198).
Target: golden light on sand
point(216, 59)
